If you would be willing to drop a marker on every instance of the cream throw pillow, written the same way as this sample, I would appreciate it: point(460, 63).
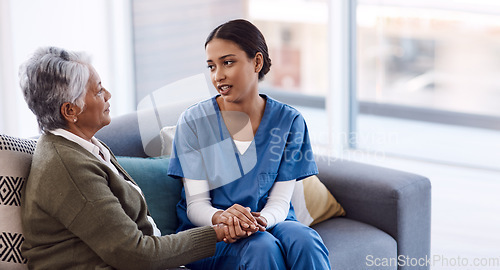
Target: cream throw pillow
point(167, 137)
point(313, 202)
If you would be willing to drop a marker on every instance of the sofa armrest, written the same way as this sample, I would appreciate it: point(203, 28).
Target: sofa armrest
point(396, 202)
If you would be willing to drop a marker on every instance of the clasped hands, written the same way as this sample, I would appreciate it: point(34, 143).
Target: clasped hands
point(239, 222)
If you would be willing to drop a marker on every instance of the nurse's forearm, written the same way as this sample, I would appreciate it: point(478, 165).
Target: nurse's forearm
point(278, 202)
point(199, 206)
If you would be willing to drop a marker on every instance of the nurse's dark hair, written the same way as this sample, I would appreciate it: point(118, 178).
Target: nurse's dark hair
point(247, 36)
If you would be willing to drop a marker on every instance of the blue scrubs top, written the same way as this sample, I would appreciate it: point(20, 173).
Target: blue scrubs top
point(204, 150)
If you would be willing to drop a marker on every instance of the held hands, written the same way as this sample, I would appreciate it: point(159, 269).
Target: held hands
point(239, 222)
point(262, 222)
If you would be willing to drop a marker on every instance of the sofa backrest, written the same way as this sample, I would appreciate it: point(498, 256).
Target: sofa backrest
point(122, 136)
point(137, 134)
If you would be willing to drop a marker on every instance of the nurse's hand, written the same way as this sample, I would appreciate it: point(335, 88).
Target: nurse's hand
point(246, 220)
point(234, 232)
point(261, 221)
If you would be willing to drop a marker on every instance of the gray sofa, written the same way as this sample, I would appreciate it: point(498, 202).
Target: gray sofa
point(388, 219)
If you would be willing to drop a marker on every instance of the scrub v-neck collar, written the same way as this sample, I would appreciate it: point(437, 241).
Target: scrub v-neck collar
point(221, 120)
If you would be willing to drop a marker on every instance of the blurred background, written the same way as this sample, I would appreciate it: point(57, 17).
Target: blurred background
point(407, 84)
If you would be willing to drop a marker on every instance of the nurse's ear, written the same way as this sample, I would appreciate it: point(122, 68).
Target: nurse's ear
point(258, 62)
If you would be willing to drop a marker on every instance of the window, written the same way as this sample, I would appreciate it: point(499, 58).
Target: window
point(427, 82)
point(169, 38)
point(100, 28)
point(296, 33)
point(297, 37)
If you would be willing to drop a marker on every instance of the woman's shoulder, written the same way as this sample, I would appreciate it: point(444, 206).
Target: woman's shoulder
point(58, 161)
point(49, 144)
point(200, 109)
point(281, 109)
point(54, 149)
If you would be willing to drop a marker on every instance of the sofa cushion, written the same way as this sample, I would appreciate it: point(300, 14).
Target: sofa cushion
point(161, 191)
point(313, 202)
point(15, 162)
point(356, 245)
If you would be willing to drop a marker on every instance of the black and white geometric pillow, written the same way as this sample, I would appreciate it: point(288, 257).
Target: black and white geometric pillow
point(15, 162)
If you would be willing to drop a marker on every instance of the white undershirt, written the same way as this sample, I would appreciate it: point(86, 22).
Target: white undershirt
point(200, 210)
point(242, 146)
point(94, 148)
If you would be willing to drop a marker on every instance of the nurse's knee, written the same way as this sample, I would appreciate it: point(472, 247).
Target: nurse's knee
point(263, 244)
point(262, 251)
point(298, 234)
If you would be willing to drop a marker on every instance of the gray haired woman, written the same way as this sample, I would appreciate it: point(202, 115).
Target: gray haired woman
point(81, 209)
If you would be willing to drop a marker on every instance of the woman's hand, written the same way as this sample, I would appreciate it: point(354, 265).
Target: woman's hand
point(234, 230)
point(238, 222)
point(223, 234)
point(220, 232)
point(261, 221)
point(246, 220)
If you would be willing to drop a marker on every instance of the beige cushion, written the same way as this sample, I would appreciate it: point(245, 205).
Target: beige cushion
point(167, 137)
point(313, 202)
point(15, 162)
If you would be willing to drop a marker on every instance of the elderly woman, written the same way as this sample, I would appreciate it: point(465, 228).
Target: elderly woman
point(81, 209)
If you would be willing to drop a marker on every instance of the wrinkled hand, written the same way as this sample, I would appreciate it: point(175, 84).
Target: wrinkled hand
point(235, 231)
point(219, 232)
point(247, 220)
point(239, 222)
point(261, 221)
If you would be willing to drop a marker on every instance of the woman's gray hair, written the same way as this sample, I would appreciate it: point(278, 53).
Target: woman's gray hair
point(51, 77)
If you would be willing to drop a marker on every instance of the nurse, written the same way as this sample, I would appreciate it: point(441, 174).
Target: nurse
point(239, 155)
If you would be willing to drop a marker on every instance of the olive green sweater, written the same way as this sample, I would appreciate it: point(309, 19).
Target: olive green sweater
point(78, 214)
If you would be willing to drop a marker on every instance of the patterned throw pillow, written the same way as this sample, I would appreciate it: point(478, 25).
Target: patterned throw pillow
point(15, 162)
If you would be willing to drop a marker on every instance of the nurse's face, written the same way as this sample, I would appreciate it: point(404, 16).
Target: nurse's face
point(233, 73)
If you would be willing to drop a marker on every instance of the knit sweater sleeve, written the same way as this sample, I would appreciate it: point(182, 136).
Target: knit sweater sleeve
point(106, 214)
point(107, 229)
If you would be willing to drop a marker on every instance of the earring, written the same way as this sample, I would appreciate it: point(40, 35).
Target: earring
point(74, 120)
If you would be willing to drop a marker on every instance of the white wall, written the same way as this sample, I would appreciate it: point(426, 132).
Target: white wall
point(102, 28)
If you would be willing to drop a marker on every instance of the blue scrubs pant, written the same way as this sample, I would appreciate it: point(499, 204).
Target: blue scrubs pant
point(288, 245)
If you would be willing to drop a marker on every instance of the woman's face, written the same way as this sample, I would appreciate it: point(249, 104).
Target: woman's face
point(233, 74)
point(95, 114)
